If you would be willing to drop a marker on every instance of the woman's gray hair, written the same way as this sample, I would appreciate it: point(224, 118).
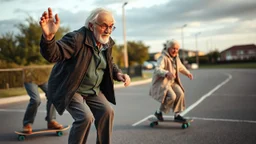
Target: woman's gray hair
point(171, 43)
point(94, 15)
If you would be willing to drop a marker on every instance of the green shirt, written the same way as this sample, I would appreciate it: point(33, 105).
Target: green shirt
point(94, 75)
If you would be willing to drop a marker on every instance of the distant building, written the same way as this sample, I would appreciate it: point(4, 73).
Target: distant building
point(188, 53)
point(239, 52)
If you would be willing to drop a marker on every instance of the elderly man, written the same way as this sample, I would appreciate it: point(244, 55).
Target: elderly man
point(33, 80)
point(166, 86)
point(82, 79)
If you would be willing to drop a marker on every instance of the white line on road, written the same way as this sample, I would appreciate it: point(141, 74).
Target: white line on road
point(18, 110)
point(215, 119)
point(196, 103)
point(206, 95)
point(224, 120)
point(23, 110)
point(198, 118)
point(233, 95)
point(150, 116)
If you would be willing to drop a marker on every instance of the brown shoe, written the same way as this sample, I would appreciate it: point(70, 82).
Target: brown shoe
point(27, 128)
point(54, 125)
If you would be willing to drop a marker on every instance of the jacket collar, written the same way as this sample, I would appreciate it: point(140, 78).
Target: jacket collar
point(165, 52)
point(89, 38)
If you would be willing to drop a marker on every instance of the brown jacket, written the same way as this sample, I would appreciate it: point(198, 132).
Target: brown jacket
point(72, 55)
point(160, 84)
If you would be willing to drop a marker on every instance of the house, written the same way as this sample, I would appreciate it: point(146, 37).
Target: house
point(239, 52)
point(189, 53)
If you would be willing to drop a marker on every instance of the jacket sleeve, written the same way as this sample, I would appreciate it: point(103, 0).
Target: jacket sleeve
point(115, 70)
point(54, 51)
point(182, 69)
point(159, 70)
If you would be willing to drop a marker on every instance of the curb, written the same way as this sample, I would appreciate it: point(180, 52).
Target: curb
point(42, 95)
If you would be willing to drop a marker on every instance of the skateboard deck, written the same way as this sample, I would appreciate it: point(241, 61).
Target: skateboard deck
point(22, 135)
point(154, 122)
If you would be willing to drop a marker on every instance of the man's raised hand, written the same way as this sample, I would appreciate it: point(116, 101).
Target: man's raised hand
point(49, 25)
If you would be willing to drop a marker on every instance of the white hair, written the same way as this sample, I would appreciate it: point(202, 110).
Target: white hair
point(170, 43)
point(94, 15)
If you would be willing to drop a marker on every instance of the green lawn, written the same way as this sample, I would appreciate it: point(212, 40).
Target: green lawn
point(21, 91)
point(12, 92)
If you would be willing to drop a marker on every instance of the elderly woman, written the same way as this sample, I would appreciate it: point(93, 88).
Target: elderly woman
point(166, 86)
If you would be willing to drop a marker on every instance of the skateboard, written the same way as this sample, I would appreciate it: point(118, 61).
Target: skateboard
point(22, 135)
point(154, 121)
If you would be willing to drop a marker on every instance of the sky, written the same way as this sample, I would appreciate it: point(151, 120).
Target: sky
point(206, 25)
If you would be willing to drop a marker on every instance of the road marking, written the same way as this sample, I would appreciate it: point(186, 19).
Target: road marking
point(198, 118)
point(23, 110)
point(224, 120)
point(233, 95)
point(207, 95)
point(150, 116)
point(14, 110)
point(196, 103)
point(215, 119)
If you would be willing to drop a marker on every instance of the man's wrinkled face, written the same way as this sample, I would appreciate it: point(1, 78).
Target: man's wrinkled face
point(103, 27)
point(174, 50)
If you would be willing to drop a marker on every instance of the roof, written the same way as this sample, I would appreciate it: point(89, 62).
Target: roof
point(241, 47)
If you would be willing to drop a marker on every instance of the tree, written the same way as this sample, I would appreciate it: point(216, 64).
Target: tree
point(137, 52)
point(213, 56)
point(117, 53)
point(9, 50)
point(23, 48)
point(29, 39)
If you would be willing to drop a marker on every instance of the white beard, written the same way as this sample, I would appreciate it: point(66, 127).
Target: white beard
point(99, 38)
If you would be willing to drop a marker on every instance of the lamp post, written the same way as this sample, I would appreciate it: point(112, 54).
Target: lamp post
point(197, 51)
point(126, 64)
point(182, 39)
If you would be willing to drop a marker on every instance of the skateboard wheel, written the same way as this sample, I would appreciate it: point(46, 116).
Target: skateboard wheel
point(184, 126)
point(59, 133)
point(152, 124)
point(21, 137)
point(188, 124)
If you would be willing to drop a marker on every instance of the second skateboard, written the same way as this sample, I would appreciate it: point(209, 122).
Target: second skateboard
point(154, 121)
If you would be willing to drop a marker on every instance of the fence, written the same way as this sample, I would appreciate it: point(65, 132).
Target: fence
point(11, 78)
point(15, 78)
point(134, 71)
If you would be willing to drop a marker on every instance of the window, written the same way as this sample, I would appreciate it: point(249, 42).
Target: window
point(251, 52)
point(240, 52)
point(228, 53)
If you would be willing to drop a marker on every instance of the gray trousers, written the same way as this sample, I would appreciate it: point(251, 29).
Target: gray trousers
point(88, 109)
point(35, 101)
point(174, 100)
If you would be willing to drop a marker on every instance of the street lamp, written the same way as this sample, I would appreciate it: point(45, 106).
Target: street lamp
point(197, 51)
point(126, 64)
point(182, 39)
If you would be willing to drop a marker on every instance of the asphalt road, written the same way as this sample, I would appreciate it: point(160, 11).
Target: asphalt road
point(221, 102)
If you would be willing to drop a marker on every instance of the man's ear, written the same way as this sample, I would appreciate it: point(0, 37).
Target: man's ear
point(90, 26)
